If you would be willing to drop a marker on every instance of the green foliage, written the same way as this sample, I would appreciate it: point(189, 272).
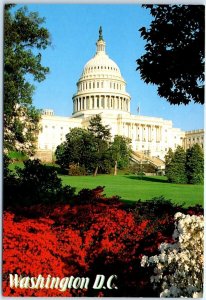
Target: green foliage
point(35, 183)
point(76, 170)
point(195, 165)
point(175, 47)
point(120, 151)
point(141, 169)
point(79, 148)
point(102, 136)
point(155, 208)
point(24, 39)
point(17, 156)
point(169, 158)
point(87, 150)
point(185, 167)
point(100, 131)
point(176, 169)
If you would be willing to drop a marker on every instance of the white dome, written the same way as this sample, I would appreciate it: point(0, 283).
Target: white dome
point(101, 86)
point(101, 63)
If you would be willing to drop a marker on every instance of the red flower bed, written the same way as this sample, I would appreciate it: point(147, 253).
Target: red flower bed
point(95, 236)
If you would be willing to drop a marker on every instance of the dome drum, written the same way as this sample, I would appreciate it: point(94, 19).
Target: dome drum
point(101, 102)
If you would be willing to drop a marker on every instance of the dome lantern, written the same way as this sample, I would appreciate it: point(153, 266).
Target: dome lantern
point(100, 43)
point(100, 34)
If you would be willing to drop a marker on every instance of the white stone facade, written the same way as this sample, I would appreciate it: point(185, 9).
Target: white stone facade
point(101, 89)
point(194, 137)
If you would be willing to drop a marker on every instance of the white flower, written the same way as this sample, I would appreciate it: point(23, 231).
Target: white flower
point(178, 215)
point(179, 266)
point(197, 295)
point(144, 260)
point(165, 293)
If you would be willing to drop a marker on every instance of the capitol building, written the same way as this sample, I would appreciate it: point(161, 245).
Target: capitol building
point(101, 89)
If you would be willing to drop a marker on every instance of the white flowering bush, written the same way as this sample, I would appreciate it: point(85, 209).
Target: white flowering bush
point(178, 269)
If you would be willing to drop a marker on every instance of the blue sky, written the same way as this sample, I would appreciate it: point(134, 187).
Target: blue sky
point(74, 31)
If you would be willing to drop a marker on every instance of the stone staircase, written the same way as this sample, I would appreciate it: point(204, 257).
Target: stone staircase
point(142, 158)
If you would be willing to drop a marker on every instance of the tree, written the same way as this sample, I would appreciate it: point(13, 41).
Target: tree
point(195, 165)
point(176, 169)
point(79, 148)
point(100, 131)
point(169, 157)
point(174, 59)
point(24, 39)
point(102, 136)
point(120, 152)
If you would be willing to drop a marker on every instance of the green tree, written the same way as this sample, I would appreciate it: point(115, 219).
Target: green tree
point(102, 137)
point(79, 148)
point(195, 165)
point(168, 160)
point(100, 131)
point(120, 151)
point(24, 40)
point(175, 47)
point(176, 169)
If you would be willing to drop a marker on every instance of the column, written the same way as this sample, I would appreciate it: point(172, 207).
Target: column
point(95, 102)
point(98, 104)
point(156, 131)
point(160, 134)
point(105, 102)
point(75, 105)
point(83, 103)
point(90, 102)
point(108, 102)
point(87, 102)
point(102, 101)
point(128, 105)
point(149, 133)
point(142, 127)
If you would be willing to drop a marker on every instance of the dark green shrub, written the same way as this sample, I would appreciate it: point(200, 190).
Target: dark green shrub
point(138, 169)
point(35, 183)
point(76, 170)
point(195, 165)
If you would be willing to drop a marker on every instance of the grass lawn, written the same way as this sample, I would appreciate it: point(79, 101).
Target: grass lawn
point(132, 188)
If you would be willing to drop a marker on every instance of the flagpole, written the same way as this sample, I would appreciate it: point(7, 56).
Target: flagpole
point(138, 109)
